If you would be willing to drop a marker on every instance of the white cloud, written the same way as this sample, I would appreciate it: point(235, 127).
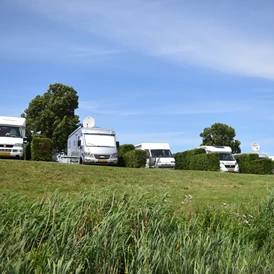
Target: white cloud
point(171, 30)
point(114, 107)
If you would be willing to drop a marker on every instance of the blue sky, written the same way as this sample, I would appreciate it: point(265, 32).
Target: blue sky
point(152, 70)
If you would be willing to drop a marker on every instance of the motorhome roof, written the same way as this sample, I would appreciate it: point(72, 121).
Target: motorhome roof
point(12, 121)
point(153, 146)
point(217, 148)
point(95, 130)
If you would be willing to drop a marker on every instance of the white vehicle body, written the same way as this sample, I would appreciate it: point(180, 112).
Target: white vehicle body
point(12, 134)
point(227, 161)
point(93, 146)
point(158, 155)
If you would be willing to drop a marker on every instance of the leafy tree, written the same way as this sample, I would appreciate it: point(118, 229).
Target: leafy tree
point(221, 135)
point(53, 114)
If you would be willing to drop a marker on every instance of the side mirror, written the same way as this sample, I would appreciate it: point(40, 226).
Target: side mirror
point(79, 143)
point(27, 139)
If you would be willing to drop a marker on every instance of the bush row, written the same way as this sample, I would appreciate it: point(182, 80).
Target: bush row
point(129, 157)
point(39, 149)
point(197, 159)
point(250, 163)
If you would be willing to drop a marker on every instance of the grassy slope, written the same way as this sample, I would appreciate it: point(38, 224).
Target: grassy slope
point(38, 179)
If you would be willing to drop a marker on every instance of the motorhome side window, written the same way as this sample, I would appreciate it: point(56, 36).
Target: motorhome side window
point(9, 131)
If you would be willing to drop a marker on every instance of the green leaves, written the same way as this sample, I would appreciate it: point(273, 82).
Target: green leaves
point(221, 135)
point(53, 114)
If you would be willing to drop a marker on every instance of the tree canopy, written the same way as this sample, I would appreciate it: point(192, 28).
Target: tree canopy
point(220, 135)
point(53, 114)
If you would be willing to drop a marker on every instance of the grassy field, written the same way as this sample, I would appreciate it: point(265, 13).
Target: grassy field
point(60, 218)
point(36, 180)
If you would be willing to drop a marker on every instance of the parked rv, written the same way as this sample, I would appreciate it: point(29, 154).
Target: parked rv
point(227, 161)
point(12, 135)
point(158, 155)
point(92, 145)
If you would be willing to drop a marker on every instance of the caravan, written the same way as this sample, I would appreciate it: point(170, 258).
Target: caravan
point(12, 136)
point(158, 155)
point(92, 145)
point(227, 161)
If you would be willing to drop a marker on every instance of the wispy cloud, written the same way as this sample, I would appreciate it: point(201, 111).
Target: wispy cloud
point(114, 107)
point(157, 29)
point(171, 30)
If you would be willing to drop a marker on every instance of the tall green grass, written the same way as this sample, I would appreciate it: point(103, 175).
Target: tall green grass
point(104, 232)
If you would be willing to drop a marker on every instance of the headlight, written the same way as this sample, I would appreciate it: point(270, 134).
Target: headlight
point(88, 154)
point(18, 145)
point(114, 155)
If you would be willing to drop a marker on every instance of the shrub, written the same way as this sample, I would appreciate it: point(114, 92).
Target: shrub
point(205, 162)
point(261, 166)
point(251, 164)
point(197, 159)
point(244, 162)
point(27, 151)
point(135, 158)
point(183, 159)
point(123, 149)
point(41, 148)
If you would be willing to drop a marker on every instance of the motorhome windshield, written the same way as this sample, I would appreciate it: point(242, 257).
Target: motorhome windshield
point(226, 157)
point(161, 153)
point(100, 140)
point(9, 131)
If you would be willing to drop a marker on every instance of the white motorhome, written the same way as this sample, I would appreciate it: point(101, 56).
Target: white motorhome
point(12, 134)
point(93, 145)
point(158, 155)
point(227, 161)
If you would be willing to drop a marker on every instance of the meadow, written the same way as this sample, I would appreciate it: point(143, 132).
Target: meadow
point(60, 218)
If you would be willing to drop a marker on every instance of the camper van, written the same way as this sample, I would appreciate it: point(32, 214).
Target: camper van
point(12, 134)
point(227, 161)
point(92, 145)
point(158, 155)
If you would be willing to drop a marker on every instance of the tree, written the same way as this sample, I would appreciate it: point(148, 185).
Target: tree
point(53, 114)
point(221, 135)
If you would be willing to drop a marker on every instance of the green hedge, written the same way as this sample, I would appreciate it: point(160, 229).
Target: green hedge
point(251, 163)
point(41, 148)
point(135, 158)
point(205, 162)
point(183, 159)
point(261, 166)
point(197, 159)
point(123, 149)
point(27, 151)
point(244, 161)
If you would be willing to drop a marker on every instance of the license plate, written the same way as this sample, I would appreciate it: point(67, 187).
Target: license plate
point(230, 169)
point(4, 153)
point(102, 161)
